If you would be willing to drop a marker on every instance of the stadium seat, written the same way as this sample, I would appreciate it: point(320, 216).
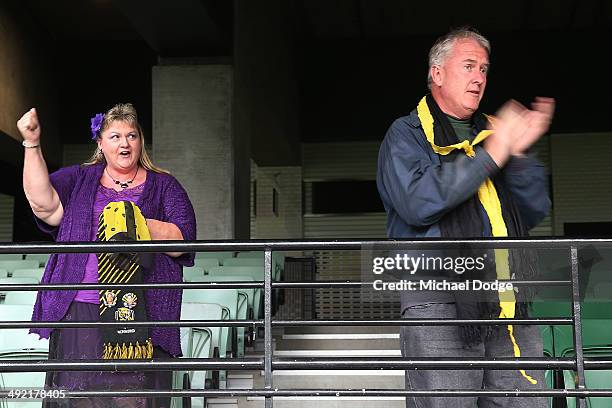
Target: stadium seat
point(29, 273)
point(20, 298)
point(253, 271)
point(16, 281)
point(219, 256)
point(278, 259)
point(18, 344)
point(207, 264)
point(243, 311)
point(11, 265)
point(198, 342)
point(597, 342)
point(192, 272)
point(11, 257)
point(41, 258)
point(228, 299)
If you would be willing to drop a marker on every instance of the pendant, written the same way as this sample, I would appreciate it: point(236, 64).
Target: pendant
point(122, 184)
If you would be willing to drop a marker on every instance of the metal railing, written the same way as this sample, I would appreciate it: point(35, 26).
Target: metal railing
point(269, 363)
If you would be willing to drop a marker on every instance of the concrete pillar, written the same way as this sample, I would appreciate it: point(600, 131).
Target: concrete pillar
point(279, 203)
point(192, 138)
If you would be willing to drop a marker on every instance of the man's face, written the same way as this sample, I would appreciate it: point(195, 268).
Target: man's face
point(459, 83)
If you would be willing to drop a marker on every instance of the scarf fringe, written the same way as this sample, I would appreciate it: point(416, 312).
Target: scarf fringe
point(128, 352)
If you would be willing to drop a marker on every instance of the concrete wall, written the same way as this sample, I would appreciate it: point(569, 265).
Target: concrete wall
point(26, 80)
point(192, 138)
point(266, 91)
point(286, 221)
point(582, 178)
point(6, 217)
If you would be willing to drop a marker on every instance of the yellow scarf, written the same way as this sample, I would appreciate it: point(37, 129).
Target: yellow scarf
point(119, 221)
point(487, 195)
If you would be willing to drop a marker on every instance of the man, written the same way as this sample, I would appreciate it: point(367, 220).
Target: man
point(441, 173)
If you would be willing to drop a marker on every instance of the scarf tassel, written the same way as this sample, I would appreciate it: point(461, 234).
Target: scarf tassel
point(128, 352)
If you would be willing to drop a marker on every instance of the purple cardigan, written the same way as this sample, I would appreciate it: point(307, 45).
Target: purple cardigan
point(163, 199)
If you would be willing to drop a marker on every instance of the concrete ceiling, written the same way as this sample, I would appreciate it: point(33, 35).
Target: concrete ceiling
point(368, 19)
point(188, 28)
point(182, 28)
point(351, 36)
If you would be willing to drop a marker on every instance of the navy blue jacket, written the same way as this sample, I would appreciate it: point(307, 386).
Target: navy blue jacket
point(417, 189)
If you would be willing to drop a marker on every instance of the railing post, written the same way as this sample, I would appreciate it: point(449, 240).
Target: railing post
point(268, 325)
point(577, 326)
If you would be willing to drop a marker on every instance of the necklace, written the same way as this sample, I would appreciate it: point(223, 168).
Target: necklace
point(122, 184)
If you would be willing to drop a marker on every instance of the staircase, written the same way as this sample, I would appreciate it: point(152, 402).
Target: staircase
point(323, 342)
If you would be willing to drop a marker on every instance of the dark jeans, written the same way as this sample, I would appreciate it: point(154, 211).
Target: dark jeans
point(444, 341)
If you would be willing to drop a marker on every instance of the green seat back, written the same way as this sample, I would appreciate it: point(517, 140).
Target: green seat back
point(29, 273)
point(192, 272)
point(11, 265)
point(227, 298)
point(199, 342)
point(20, 298)
point(11, 257)
point(219, 256)
point(41, 258)
point(207, 263)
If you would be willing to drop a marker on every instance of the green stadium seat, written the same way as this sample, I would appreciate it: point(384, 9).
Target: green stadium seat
point(29, 273)
point(20, 298)
point(278, 259)
point(219, 256)
point(244, 295)
point(255, 272)
point(41, 258)
point(597, 342)
point(207, 264)
point(19, 341)
point(11, 257)
point(16, 281)
point(192, 272)
point(11, 265)
point(198, 342)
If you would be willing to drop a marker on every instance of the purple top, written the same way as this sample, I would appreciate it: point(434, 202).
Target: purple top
point(104, 195)
point(163, 199)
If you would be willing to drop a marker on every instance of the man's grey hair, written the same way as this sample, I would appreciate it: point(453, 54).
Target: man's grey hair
point(444, 45)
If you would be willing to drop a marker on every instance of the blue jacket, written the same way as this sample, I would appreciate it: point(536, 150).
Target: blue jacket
point(417, 189)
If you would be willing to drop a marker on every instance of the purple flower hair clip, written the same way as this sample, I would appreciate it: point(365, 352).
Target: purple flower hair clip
point(96, 125)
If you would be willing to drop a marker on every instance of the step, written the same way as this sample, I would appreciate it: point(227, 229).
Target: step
point(340, 336)
point(239, 381)
point(258, 344)
point(331, 402)
point(341, 329)
point(338, 353)
point(221, 403)
point(333, 341)
point(339, 379)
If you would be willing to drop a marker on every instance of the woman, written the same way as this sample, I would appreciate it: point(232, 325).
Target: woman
point(68, 204)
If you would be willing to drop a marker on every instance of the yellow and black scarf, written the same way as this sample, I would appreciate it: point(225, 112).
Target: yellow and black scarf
point(466, 221)
point(123, 221)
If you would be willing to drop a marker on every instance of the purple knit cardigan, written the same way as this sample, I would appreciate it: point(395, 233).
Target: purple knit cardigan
point(163, 199)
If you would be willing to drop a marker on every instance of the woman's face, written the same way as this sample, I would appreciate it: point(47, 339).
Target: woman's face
point(121, 146)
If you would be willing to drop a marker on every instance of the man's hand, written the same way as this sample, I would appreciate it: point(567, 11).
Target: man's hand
point(29, 127)
point(538, 123)
point(510, 122)
point(518, 128)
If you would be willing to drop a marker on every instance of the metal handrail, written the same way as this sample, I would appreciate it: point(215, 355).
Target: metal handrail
point(578, 363)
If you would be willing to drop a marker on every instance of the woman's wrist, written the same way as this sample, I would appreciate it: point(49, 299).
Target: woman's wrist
point(30, 145)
